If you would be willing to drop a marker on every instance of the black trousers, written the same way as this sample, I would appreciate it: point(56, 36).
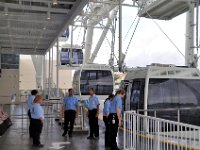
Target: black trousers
point(36, 130)
point(30, 126)
point(113, 130)
point(107, 132)
point(93, 123)
point(69, 119)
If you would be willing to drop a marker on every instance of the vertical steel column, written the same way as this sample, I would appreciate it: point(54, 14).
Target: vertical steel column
point(120, 36)
point(52, 82)
point(189, 43)
point(49, 74)
point(57, 70)
point(89, 41)
point(71, 47)
point(44, 74)
point(0, 59)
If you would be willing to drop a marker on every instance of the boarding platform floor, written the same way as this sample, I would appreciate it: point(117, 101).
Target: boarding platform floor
point(17, 138)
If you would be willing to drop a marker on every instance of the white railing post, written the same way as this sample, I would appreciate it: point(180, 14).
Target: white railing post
point(134, 131)
point(158, 134)
point(124, 130)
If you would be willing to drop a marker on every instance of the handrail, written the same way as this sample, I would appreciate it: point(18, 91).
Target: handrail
point(165, 120)
point(167, 109)
point(178, 110)
point(151, 133)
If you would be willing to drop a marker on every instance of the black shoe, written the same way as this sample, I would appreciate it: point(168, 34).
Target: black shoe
point(64, 134)
point(40, 145)
point(90, 138)
point(115, 148)
point(70, 135)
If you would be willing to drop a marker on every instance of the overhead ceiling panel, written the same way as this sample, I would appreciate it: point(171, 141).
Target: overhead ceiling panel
point(33, 26)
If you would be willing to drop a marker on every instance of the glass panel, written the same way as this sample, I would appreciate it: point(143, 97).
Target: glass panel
point(137, 95)
point(93, 75)
point(99, 90)
point(175, 93)
point(104, 76)
point(84, 75)
point(77, 56)
point(96, 79)
point(163, 92)
point(76, 53)
point(9, 61)
point(64, 56)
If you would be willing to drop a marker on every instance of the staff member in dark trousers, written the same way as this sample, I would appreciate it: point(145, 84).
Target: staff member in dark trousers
point(37, 115)
point(106, 111)
point(114, 117)
point(71, 111)
point(93, 107)
point(30, 104)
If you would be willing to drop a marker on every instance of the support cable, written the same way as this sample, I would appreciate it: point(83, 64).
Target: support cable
point(132, 37)
point(171, 41)
point(130, 28)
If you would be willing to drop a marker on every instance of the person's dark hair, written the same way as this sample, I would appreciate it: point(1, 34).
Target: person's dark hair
point(92, 89)
point(110, 97)
point(34, 92)
point(120, 91)
point(69, 90)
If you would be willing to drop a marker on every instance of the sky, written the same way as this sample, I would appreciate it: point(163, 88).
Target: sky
point(149, 44)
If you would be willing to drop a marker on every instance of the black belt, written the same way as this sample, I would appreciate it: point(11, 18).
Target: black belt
point(70, 110)
point(35, 119)
point(113, 114)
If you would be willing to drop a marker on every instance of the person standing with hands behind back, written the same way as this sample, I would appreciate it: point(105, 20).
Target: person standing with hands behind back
point(37, 115)
point(93, 107)
point(114, 117)
point(30, 104)
point(71, 110)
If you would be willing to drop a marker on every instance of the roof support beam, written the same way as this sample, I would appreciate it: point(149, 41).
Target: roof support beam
point(32, 21)
point(24, 36)
point(33, 8)
point(47, 1)
point(23, 46)
point(49, 31)
point(23, 51)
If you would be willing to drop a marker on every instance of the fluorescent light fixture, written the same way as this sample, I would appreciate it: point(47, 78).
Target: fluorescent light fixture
point(48, 15)
point(55, 2)
point(6, 11)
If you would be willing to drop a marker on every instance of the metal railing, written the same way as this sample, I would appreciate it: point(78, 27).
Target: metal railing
point(143, 132)
point(177, 111)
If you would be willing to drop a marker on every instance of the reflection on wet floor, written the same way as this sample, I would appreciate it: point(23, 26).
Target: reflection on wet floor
point(17, 138)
